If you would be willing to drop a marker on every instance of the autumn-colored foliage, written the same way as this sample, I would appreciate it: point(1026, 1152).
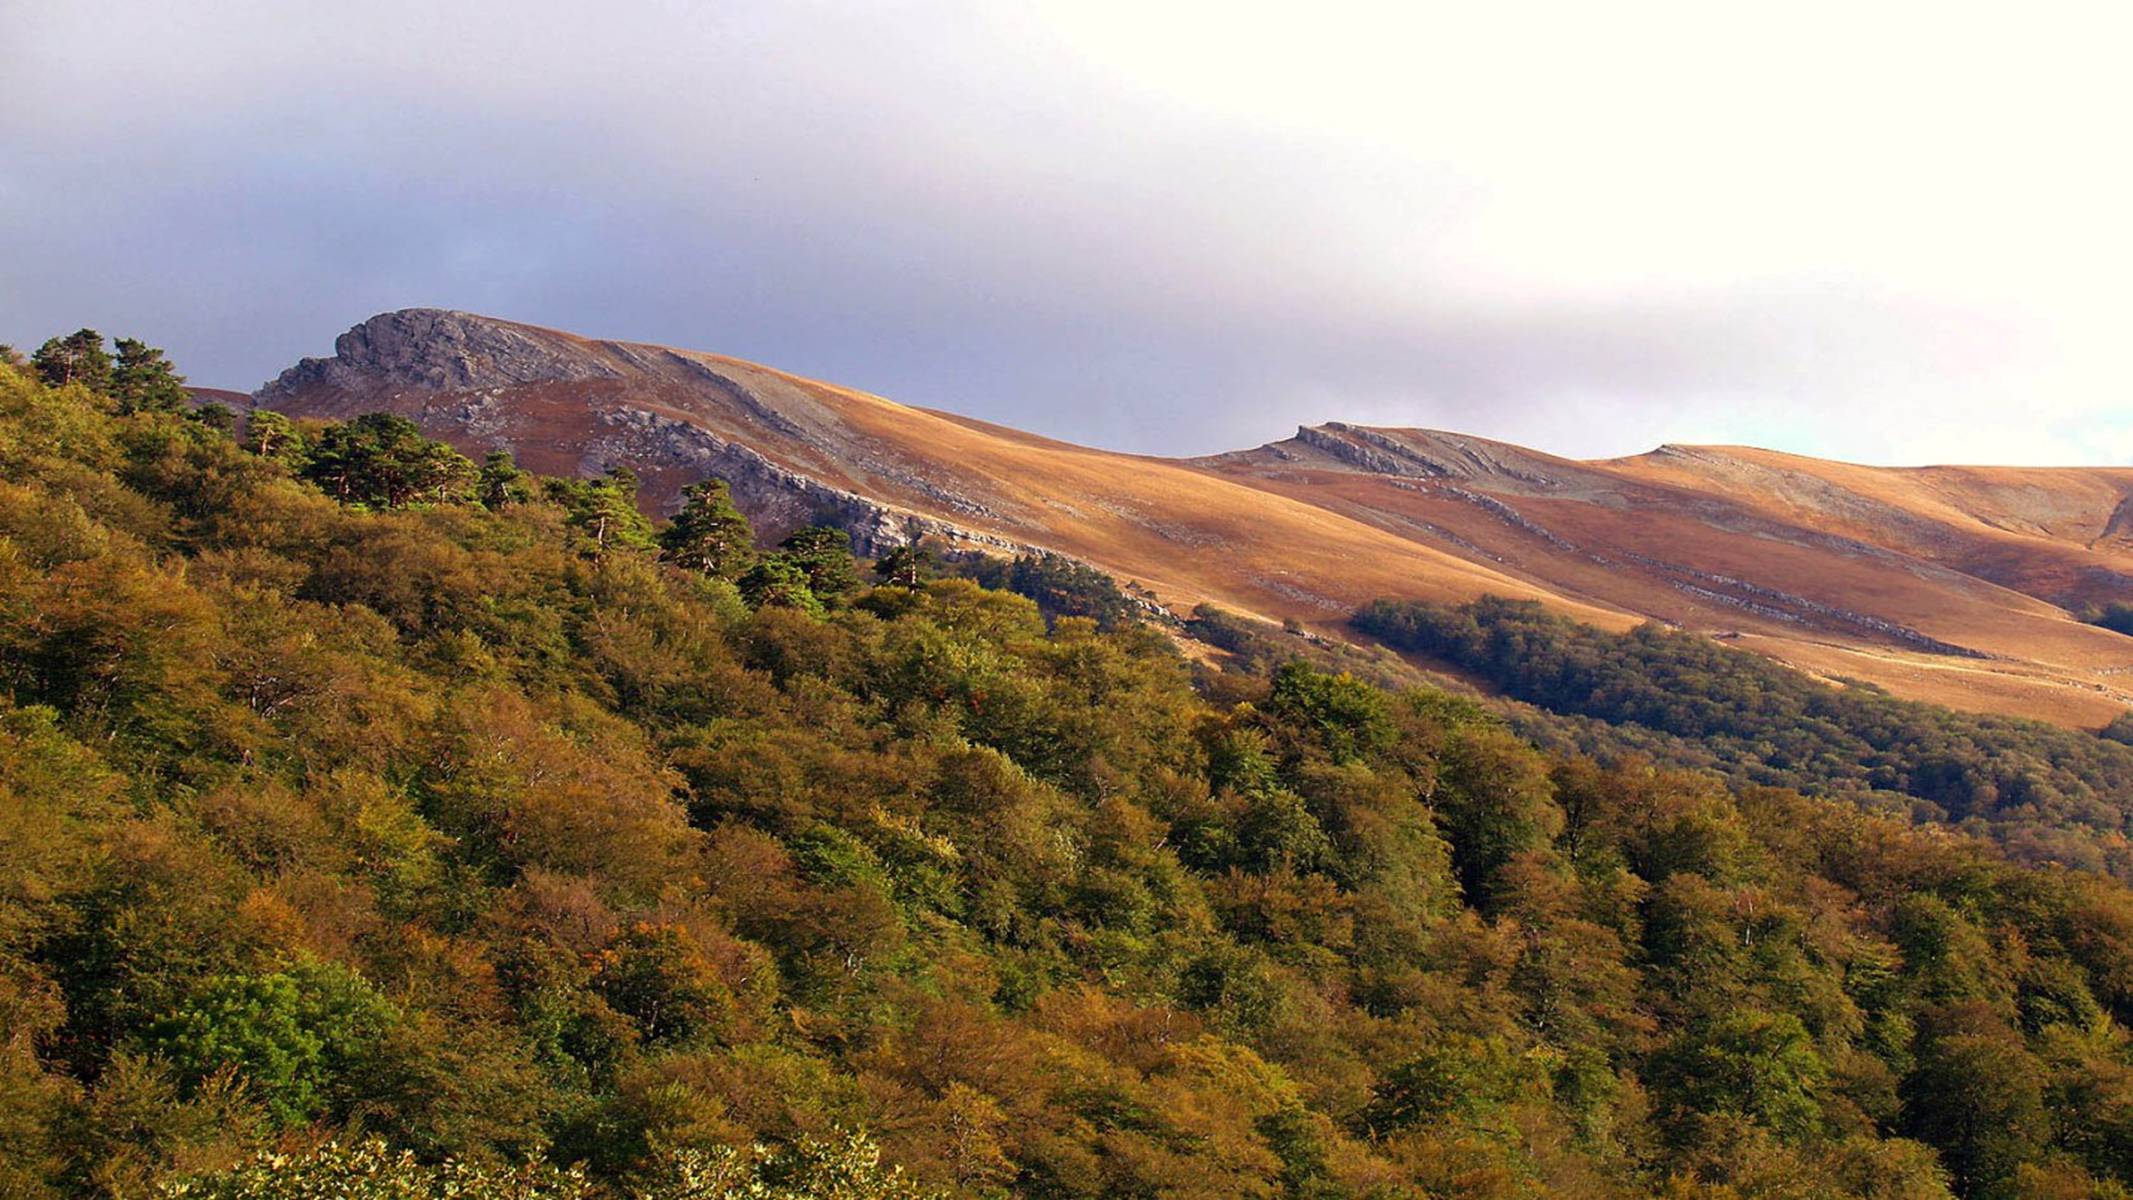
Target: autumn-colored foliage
point(439, 836)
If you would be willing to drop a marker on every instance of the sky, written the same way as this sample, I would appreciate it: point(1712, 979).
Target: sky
point(1882, 232)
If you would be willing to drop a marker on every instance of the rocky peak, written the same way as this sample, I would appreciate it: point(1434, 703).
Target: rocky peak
point(433, 349)
point(1428, 454)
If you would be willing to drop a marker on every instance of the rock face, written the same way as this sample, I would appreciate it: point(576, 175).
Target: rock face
point(570, 405)
point(776, 499)
point(438, 350)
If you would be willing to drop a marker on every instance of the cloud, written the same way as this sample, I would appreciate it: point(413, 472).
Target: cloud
point(1890, 235)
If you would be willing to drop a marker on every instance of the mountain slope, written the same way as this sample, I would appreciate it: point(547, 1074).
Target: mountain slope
point(1946, 584)
point(796, 450)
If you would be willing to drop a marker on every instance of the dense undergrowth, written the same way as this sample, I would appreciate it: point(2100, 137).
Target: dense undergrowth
point(457, 810)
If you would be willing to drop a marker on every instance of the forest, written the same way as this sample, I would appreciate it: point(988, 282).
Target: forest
point(379, 823)
point(2045, 793)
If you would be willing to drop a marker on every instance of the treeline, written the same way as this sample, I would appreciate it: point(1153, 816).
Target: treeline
point(348, 797)
point(2047, 793)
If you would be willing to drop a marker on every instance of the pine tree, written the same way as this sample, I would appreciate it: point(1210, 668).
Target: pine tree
point(382, 459)
point(779, 581)
point(502, 482)
point(269, 434)
point(905, 566)
point(218, 417)
point(605, 510)
point(709, 534)
point(79, 357)
point(144, 381)
point(824, 552)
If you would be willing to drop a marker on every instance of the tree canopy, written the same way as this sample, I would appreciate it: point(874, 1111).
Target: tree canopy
point(367, 832)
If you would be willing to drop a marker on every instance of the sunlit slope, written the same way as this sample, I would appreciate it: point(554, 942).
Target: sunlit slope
point(1184, 533)
point(1937, 583)
point(563, 403)
point(1948, 584)
point(2064, 534)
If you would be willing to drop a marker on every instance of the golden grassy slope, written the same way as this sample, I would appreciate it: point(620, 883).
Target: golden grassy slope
point(1940, 583)
point(1806, 560)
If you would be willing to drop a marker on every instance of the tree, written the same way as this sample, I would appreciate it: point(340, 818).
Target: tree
point(382, 460)
point(269, 434)
point(1745, 1063)
point(218, 417)
point(709, 535)
point(905, 566)
point(1494, 803)
point(143, 380)
point(656, 977)
point(605, 510)
point(2120, 729)
point(1977, 1096)
point(501, 482)
point(299, 1036)
point(778, 581)
point(1346, 716)
point(848, 1168)
point(824, 552)
point(79, 357)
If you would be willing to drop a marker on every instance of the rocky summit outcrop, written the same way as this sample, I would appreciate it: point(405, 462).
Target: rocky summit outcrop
point(439, 350)
point(570, 405)
point(1952, 584)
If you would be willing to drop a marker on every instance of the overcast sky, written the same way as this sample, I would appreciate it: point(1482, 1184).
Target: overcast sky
point(1890, 233)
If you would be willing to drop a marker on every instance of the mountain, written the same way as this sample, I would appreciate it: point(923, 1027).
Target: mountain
point(1956, 585)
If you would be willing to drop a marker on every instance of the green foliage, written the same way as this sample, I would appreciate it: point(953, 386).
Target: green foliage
point(2117, 616)
point(905, 566)
point(294, 1036)
point(1978, 1096)
point(1756, 1065)
point(486, 830)
point(373, 1171)
point(1348, 718)
point(78, 358)
point(779, 581)
point(501, 482)
point(848, 1169)
point(2047, 794)
point(1060, 586)
point(709, 535)
point(604, 511)
point(383, 461)
point(269, 434)
point(824, 554)
point(142, 380)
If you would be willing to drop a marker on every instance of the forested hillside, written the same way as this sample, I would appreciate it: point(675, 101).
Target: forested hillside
point(2049, 794)
point(352, 790)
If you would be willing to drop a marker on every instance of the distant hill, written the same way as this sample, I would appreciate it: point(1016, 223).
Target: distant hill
point(1951, 584)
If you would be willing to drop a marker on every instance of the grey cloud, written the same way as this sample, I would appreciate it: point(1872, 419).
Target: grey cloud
point(930, 202)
